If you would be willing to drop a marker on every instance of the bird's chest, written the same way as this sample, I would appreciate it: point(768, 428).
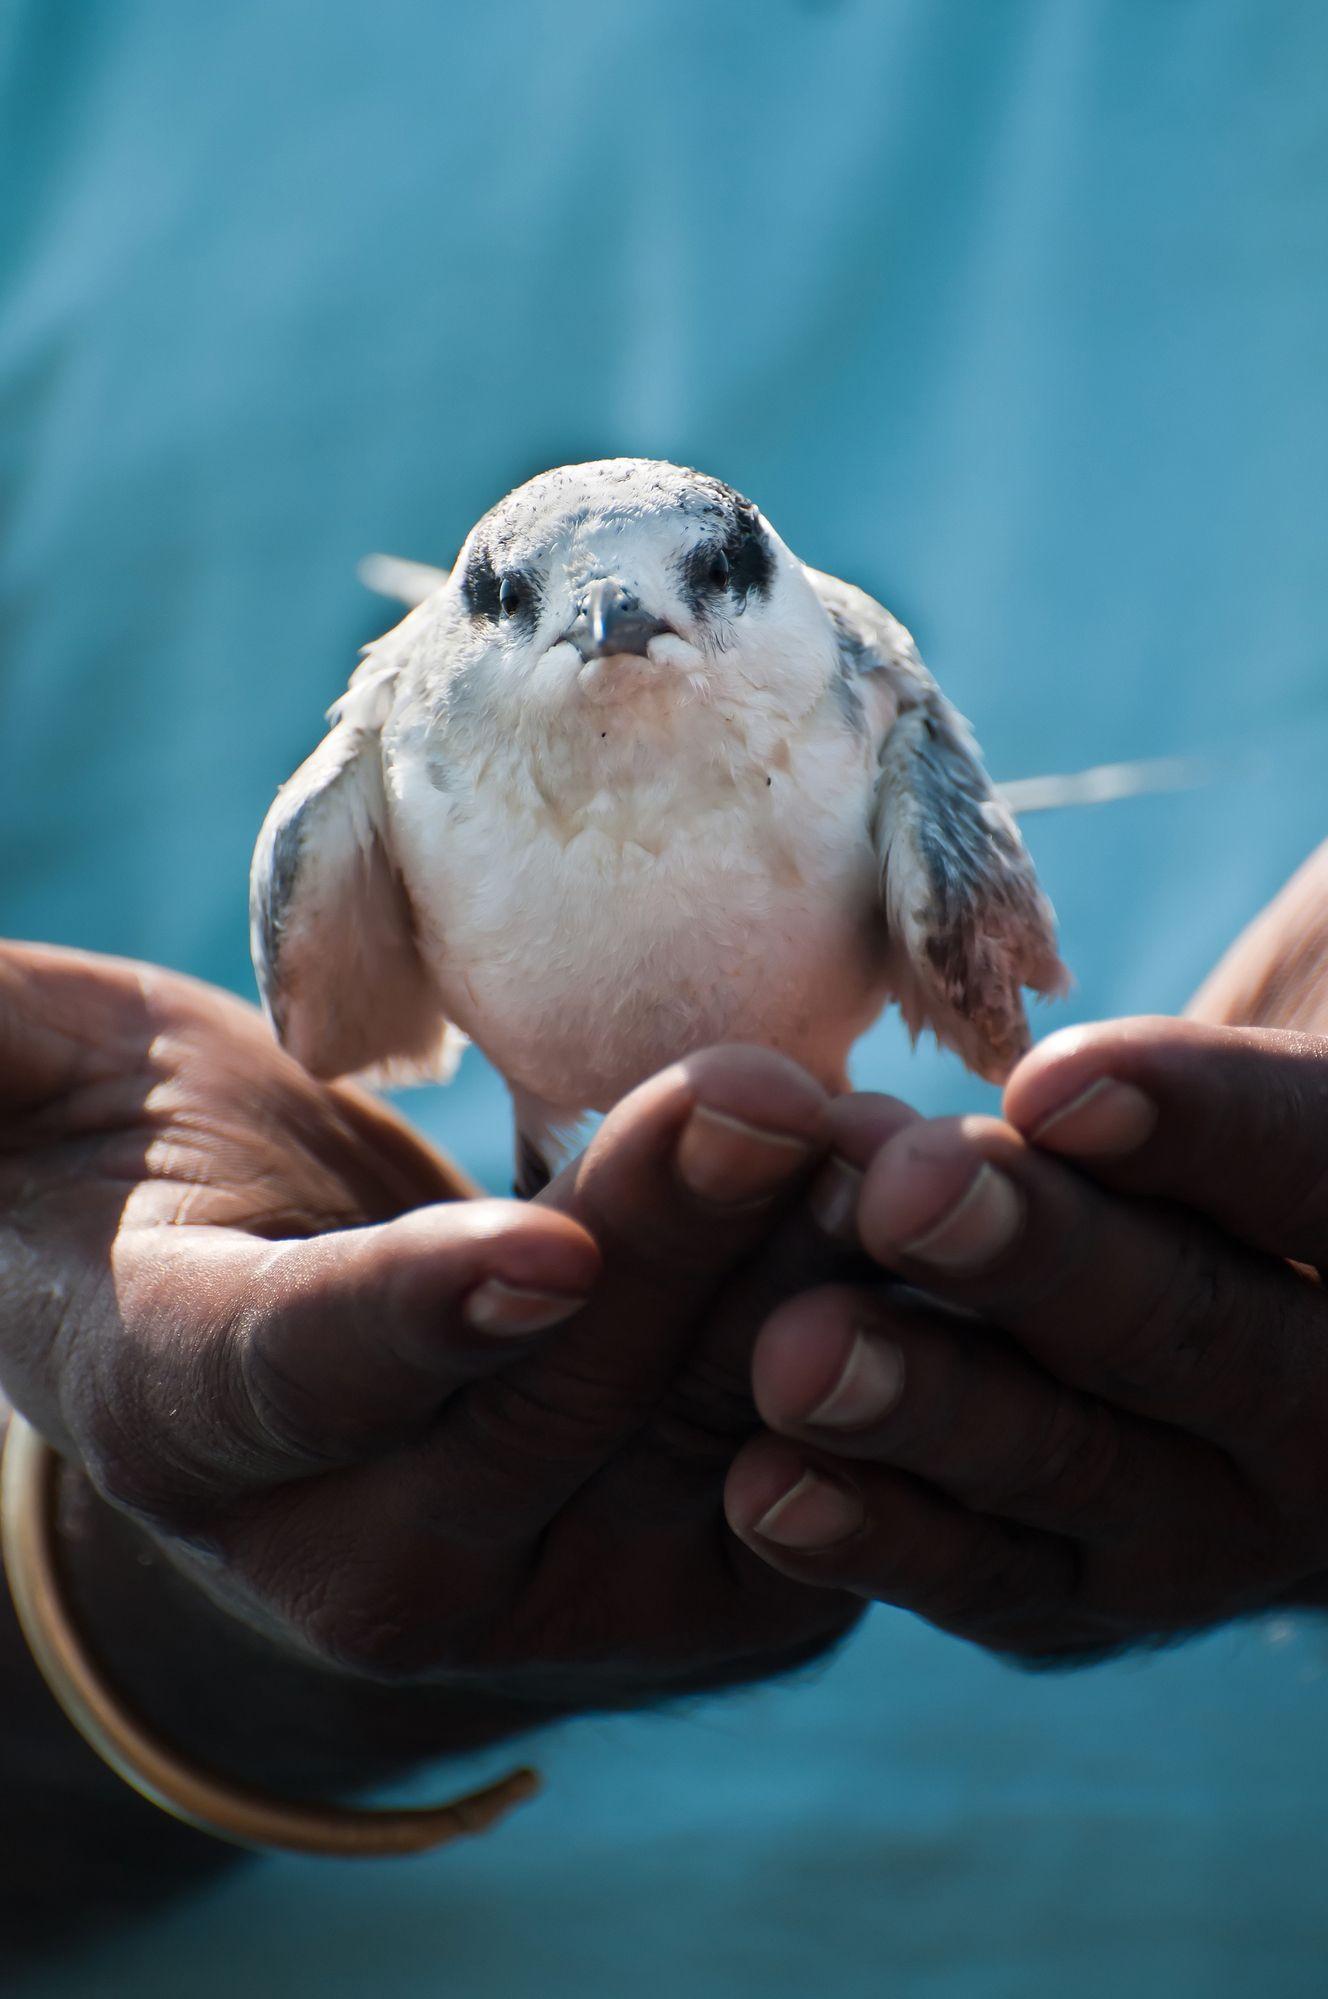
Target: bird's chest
point(589, 918)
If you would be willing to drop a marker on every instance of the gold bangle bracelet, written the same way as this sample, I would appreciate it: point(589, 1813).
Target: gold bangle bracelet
point(159, 1773)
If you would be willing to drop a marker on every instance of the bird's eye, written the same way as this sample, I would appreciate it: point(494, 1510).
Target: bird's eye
point(718, 571)
point(509, 596)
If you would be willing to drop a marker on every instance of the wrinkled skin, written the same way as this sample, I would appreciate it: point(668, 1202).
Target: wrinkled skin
point(238, 1298)
point(1106, 1422)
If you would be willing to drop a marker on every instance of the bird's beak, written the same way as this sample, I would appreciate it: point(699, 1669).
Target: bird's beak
point(611, 620)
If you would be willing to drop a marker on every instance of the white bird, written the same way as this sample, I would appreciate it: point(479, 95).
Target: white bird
point(632, 780)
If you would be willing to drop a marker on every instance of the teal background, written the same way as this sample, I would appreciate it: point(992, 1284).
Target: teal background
point(1016, 312)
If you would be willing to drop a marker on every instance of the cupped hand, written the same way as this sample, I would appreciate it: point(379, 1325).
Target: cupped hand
point(1092, 1409)
point(407, 1435)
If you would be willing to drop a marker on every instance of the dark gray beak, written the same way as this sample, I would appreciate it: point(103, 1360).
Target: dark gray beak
point(610, 619)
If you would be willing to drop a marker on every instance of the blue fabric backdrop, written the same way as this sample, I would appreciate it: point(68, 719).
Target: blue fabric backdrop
point(1014, 311)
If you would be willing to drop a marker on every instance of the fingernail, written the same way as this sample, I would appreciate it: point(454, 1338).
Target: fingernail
point(734, 1164)
point(976, 1228)
point(833, 1199)
point(869, 1385)
point(496, 1307)
point(814, 1513)
point(1102, 1122)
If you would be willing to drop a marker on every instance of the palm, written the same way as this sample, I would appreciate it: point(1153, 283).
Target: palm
point(237, 1135)
point(253, 1337)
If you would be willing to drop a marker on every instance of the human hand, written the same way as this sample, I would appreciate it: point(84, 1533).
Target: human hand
point(1276, 972)
point(242, 1301)
point(1105, 1423)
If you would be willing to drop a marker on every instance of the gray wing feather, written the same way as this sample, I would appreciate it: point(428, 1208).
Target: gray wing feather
point(968, 925)
point(332, 933)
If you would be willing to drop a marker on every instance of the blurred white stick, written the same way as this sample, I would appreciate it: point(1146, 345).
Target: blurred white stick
point(1103, 784)
point(393, 576)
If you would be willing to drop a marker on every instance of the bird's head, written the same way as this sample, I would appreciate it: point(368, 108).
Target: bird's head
point(632, 582)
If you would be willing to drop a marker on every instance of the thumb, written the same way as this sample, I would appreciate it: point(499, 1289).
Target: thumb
point(232, 1363)
point(1231, 1123)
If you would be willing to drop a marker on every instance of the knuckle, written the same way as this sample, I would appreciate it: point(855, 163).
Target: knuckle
point(1003, 1582)
point(279, 1408)
point(658, 1236)
point(355, 1590)
point(1288, 1451)
point(967, 1595)
point(122, 1467)
point(122, 1478)
point(941, 1399)
point(1300, 1217)
point(552, 1417)
point(131, 1440)
point(1184, 1334)
point(1255, 1553)
point(1276, 1130)
point(708, 1412)
point(1067, 1468)
point(563, 1623)
point(370, 1647)
point(1047, 1262)
point(370, 1629)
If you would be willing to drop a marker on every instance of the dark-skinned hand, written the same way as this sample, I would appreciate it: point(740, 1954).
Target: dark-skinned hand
point(469, 1442)
point(1088, 1408)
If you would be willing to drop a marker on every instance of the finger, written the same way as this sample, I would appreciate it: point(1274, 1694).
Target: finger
point(859, 1126)
point(815, 1243)
point(1230, 1122)
point(1152, 1309)
point(878, 1533)
point(679, 1185)
point(673, 1467)
point(891, 1379)
point(235, 1363)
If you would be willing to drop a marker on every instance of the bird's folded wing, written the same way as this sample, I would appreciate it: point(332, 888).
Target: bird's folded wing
point(333, 938)
point(969, 927)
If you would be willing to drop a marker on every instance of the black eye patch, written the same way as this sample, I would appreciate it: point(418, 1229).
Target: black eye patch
point(512, 595)
point(480, 586)
point(751, 561)
point(735, 566)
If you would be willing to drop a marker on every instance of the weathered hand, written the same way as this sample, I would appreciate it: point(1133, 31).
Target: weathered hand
point(554, 1533)
point(1276, 972)
point(245, 1303)
point(1107, 1422)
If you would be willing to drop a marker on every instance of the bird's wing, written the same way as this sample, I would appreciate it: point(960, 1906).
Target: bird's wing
point(969, 926)
point(333, 937)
